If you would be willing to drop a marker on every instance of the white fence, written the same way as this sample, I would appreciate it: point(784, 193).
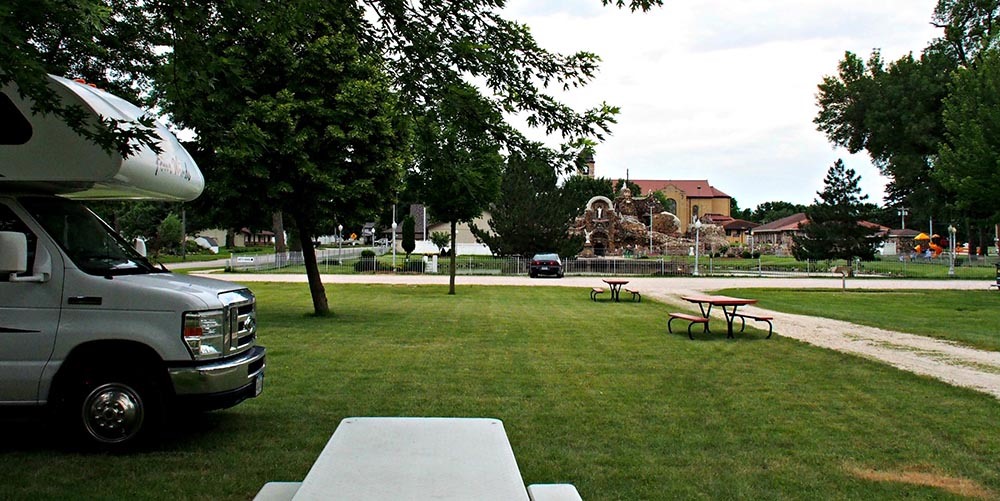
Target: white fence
point(349, 260)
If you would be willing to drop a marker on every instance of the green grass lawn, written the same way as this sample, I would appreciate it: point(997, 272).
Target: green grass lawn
point(595, 394)
point(967, 317)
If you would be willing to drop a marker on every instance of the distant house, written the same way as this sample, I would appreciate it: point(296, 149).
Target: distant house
point(779, 234)
point(737, 230)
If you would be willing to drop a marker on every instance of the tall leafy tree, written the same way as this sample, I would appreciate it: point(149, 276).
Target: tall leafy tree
point(458, 163)
point(894, 113)
point(295, 115)
point(970, 160)
point(833, 231)
point(970, 27)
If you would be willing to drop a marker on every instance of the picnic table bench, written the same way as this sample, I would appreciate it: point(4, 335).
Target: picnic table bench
point(636, 296)
point(594, 292)
point(756, 318)
point(694, 319)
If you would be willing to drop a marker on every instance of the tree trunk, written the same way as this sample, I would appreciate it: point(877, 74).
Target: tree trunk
point(316, 289)
point(278, 227)
point(451, 279)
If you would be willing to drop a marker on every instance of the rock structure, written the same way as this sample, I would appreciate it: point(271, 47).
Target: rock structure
point(621, 227)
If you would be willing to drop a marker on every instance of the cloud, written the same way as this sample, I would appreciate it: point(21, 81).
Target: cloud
point(723, 90)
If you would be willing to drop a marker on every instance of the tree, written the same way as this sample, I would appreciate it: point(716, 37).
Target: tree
point(441, 240)
point(578, 190)
point(409, 235)
point(169, 233)
point(970, 27)
point(634, 188)
point(292, 114)
point(530, 216)
point(773, 211)
point(736, 212)
point(969, 160)
point(893, 113)
point(458, 164)
point(833, 231)
point(108, 43)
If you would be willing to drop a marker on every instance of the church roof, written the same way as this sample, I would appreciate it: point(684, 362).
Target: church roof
point(692, 188)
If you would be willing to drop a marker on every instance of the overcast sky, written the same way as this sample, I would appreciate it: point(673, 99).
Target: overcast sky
point(724, 90)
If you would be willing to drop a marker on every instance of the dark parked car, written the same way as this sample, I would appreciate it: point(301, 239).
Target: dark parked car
point(545, 264)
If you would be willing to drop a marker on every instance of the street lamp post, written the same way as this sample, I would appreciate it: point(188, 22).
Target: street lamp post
point(902, 217)
point(340, 244)
point(951, 249)
point(394, 246)
point(650, 230)
point(697, 244)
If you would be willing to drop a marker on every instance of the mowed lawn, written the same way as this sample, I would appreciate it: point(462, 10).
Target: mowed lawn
point(594, 394)
point(969, 317)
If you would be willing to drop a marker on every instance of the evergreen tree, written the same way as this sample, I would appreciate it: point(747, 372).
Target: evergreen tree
point(833, 231)
point(530, 217)
point(409, 235)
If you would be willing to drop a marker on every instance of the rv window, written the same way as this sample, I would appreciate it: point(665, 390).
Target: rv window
point(10, 222)
point(89, 242)
point(14, 128)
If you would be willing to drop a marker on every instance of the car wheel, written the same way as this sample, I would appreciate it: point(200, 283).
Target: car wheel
point(116, 412)
point(532, 275)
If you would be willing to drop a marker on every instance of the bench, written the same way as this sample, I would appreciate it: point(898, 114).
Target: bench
point(594, 292)
point(756, 318)
point(693, 319)
point(995, 285)
point(635, 294)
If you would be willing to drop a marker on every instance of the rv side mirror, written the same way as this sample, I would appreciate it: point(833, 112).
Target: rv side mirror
point(140, 246)
point(13, 252)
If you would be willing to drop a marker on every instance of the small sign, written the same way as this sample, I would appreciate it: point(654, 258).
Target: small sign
point(244, 259)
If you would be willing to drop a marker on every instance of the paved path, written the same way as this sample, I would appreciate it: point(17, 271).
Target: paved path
point(943, 360)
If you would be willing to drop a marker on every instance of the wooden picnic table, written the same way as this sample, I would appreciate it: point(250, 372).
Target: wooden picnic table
point(728, 304)
point(616, 287)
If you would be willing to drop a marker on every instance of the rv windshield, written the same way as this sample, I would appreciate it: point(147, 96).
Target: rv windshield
point(92, 245)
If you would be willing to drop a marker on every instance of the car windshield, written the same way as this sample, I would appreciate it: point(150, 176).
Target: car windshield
point(546, 257)
point(88, 241)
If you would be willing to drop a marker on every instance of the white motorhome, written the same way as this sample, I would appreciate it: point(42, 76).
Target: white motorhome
point(89, 327)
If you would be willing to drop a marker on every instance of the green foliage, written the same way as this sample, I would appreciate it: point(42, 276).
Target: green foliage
point(634, 188)
point(409, 235)
point(169, 234)
point(108, 43)
point(833, 231)
point(773, 211)
point(578, 190)
point(970, 27)
point(969, 159)
point(532, 215)
point(864, 107)
point(291, 112)
point(458, 164)
point(441, 240)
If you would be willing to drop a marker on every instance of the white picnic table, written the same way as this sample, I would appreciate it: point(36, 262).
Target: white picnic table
point(398, 459)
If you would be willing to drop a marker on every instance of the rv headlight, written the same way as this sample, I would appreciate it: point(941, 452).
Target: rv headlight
point(204, 333)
